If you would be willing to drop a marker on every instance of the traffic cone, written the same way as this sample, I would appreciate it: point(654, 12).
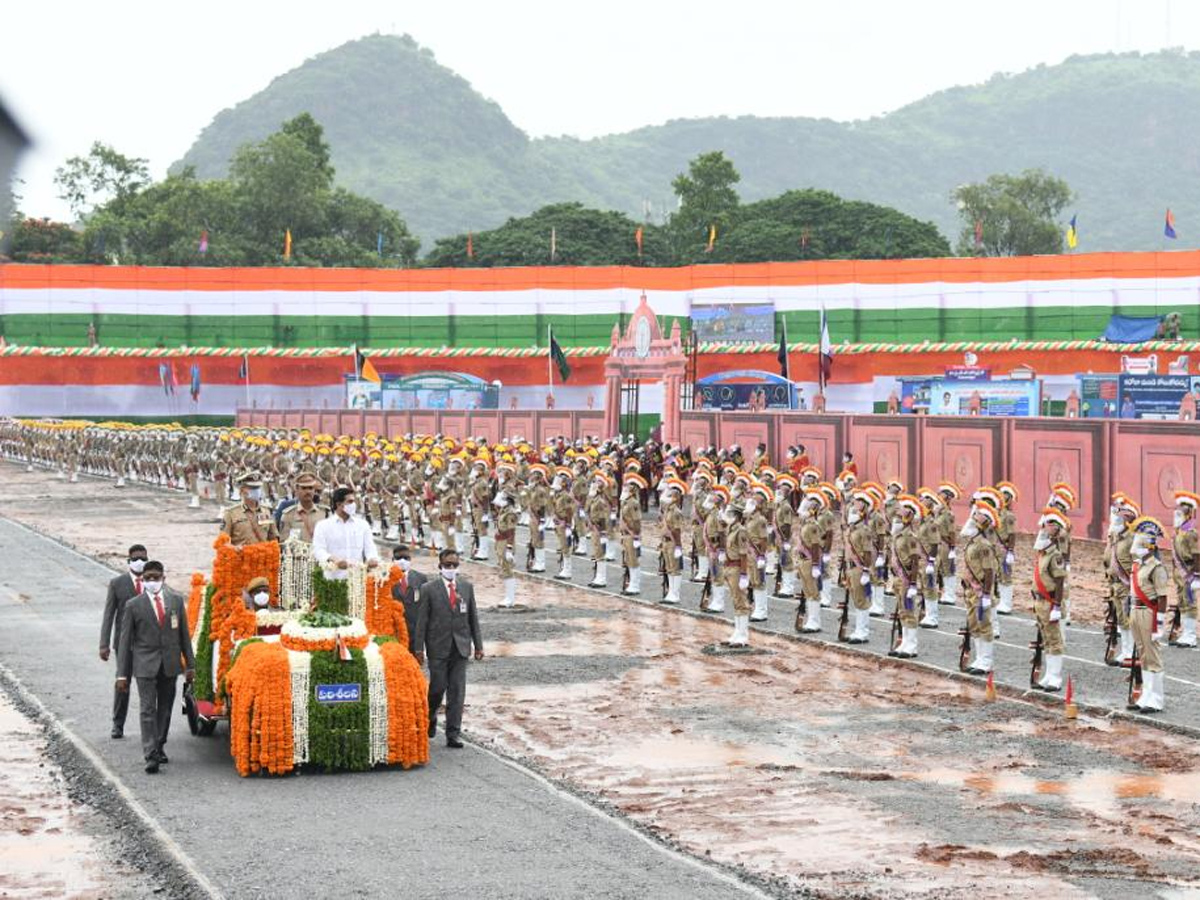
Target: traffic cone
point(990, 694)
point(1070, 710)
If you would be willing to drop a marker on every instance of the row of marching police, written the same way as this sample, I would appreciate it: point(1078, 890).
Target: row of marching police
point(744, 530)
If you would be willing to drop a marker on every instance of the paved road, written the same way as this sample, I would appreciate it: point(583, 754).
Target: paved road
point(1095, 683)
point(468, 824)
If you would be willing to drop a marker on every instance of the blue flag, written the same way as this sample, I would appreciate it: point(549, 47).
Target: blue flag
point(1169, 227)
point(379, 243)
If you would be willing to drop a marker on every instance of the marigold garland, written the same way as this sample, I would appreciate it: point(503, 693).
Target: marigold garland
point(408, 706)
point(195, 598)
point(260, 718)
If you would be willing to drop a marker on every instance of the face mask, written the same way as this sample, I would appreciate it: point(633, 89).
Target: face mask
point(136, 565)
point(449, 574)
point(897, 526)
point(254, 494)
point(709, 503)
point(593, 491)
point(970, 530)
point(1117, 525)
point(1042, 541)
point(728, 518)
point(1180, 518)
point(152, 587)
point(1141, 551)
point(350, 509)
point(404, 564)
point(261, 599)
point(751, 506)
point(854, 517)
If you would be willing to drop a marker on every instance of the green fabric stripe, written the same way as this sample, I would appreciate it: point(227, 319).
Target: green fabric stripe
point(339, 734)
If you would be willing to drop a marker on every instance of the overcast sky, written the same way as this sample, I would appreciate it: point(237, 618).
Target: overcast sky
point(147, 76)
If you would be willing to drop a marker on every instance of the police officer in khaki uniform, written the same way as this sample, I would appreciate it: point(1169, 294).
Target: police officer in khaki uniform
point(671, 544)
point(1118, 566)
point(538, 506)
point(860, 554)
point(808, 546)
point(1049, 577)
point(300, 519)
point(735, 569)
point(507, 515)
point(597, 511)
point(759, 504)
point(249, 522)
point(1186, 560)
point(630, 525)
point(906, 564)
point(1149, 584)
point(566, 510)
point(980, 567)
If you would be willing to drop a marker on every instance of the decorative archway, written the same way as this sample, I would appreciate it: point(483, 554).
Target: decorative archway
point(644, 354)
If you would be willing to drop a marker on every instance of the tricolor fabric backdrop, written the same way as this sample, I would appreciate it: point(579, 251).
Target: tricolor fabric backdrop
point(171, 339)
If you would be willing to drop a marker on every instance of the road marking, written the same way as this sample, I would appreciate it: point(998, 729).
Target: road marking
point(134, 805)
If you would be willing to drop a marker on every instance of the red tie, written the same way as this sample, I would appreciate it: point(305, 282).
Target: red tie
point(453, 598)
point(403, 583)
point(137, 584)
point(158, 608)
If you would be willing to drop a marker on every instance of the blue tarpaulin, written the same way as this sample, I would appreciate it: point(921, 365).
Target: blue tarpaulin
point(1131, 329)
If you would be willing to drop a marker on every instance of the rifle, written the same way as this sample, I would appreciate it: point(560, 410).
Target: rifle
point(897, 633)
point(1035, 664)
point(530, 554)
point(706, 592)
point(844, 620)
point(964, 649)
point(1135, 680)
point(694, 559)
point(474, 537)
point(778, 586)
point(1176, 625)
point(662, 572)
point(624, 577)
point(1112, 636)
point(802, 611)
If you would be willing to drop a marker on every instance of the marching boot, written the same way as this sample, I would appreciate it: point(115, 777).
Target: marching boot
point(908, 642)
point(564, 571)
point(393, 533)
point(539, 560)
point(439, 541)
point(673, 584)
point(787, 584)
point(74, 479)
point(610, 550)
point(826, 592)
point(950, 590)
point(1126, 652)
point(376, 528)
point(1005, 606)
point(484, 550)
point(930, 619)
point(510, 592)
point(742, 631)
point(635, 582)
point(584, 548)
point(524, 519)
point(812, 621)
point(736, 635)
point(461, 544)
point(717, 603)
point(762, 606)
point(120, 482)
point(877, 608)
point(1052, 677)
point(702, 570)
point(983, 658)
point(600, 579)
point(772, 562)
point(1152, 692)
point(995, 628)
point(194, 502)
point(1066, 611)
point(862, 627)
point(1188, 638)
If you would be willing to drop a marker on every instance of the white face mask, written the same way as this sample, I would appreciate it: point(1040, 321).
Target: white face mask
point(709, 502)
point(854, 517)
point(261, 599)
point(404, 564)
point(970, 530)
point(1141, 551)
point(728, 518)
point(751, 506)
point(897, 526)
point(152, 587)
point(449, 574)
point(1180, 518)
point(136, 566)
point(593, 491)
point(1042, 541)
point(1117, 525)
point(254, 494)
point(350, 508)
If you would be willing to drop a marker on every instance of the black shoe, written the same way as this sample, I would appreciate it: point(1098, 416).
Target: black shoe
point(433, 728)
point(117, 733)
point(162, 758)
point(152, 766)
point(454, 743)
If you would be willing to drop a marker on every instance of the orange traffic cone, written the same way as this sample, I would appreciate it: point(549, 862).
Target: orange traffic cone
point(990, 694)
point(1070, 710)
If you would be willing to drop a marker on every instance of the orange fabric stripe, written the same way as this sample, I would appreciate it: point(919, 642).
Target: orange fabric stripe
point(1172, 264)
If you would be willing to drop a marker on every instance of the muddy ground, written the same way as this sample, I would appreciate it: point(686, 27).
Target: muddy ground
point(812, 772)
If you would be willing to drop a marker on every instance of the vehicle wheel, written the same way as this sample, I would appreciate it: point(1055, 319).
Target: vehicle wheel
point(207, 727)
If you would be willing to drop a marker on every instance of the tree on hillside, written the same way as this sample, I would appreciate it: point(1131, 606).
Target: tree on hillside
point(1012, 215)
point(582, 237)
point(706, 198)
point(310, 133)
point(101, 177)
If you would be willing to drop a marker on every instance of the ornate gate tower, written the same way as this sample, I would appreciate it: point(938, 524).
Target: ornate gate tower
point(643, 354)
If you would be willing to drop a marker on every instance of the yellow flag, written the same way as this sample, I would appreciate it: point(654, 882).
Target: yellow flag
point(1072, 234)
point(287, 244)
point(712, 238)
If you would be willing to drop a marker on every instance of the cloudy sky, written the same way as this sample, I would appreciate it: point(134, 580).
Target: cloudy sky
point(147, 76)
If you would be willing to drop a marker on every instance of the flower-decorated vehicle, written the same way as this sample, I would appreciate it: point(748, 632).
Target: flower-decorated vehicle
point(321, 675)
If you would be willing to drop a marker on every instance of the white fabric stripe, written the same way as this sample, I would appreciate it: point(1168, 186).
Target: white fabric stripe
point(986, 296)
point(377, 699)
point(124, 400)
point(300, 665)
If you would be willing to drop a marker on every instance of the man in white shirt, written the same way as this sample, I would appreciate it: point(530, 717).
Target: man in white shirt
point(343, 538)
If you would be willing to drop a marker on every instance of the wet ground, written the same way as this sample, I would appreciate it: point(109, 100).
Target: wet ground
point(50, 845)
point(801, 767)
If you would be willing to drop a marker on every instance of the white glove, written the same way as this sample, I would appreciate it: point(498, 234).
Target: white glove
point(911, 594)
point(486, 518)
point(985, 601)
point(1195, 586)
point(787, 547)
point(570, 532)
point(825, 559)
point(679, 553)
point(1009, 559)
point(637, 544)
point(879, 561)
point(721, 557)
point(816, 571)
point(953, 555)
point(1162, 622)
point(541, 527)
point(929, 570)
point(1055, 614)
point(612, 517)
point(761, 563)
point(1067, 566)
point(451, 531)
point(508, 556)
point(744, 582)
point(864, 579)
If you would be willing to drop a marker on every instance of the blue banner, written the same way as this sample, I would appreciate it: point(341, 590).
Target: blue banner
point(739, 395)
point(735, 322)
point(1099, 396)
point(997, 398)
point(1154, 396)
point(339, 693)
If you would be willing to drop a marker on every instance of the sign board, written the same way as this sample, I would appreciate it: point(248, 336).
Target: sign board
point(362, 394)
point(743, 396)
point(998, 398)
point(339, 693)
point(749, 322)
point(914, 393)
point(1154, 396)
point(1099, 396)
point(968, 373)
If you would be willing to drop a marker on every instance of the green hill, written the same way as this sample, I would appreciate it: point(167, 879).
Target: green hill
point(1123, 131)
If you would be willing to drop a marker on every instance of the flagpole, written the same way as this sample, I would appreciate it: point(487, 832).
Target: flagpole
point(246, 367)
point(787, 367)
point(550, 355)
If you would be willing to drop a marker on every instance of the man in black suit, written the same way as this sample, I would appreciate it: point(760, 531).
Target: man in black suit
point(408, 591)
point(121, 590)
point(447, 625)
point(154, 643)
